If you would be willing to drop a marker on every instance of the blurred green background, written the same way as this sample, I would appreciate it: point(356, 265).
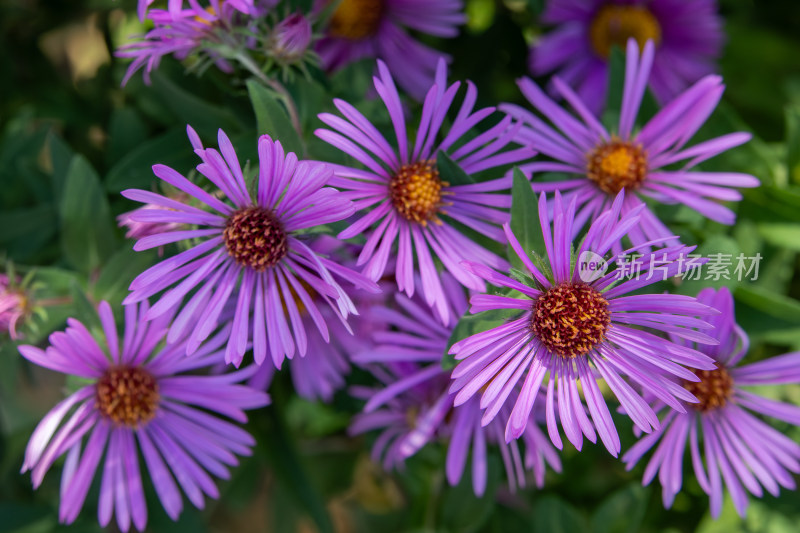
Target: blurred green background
point(71, 138)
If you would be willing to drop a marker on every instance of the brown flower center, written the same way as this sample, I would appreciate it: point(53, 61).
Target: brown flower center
point(255, 238)
point(356, 19)
point(416, 192)
point(713, 390)
point(570, 319)
point(615, 24)
point(127, 395)
point(617, 165)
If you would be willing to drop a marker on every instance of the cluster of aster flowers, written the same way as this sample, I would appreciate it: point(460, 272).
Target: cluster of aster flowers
point(252, 273)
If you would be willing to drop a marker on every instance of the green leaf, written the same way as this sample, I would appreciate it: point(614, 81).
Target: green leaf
point(288, 469)
point(450, 171)
point(553, 515)
point(272, 118)
point(461, 518)
point(60, 159)
point(525, 219)
point(770, 303)
point(87, 236)
point(125, 133)
point(623, 511)
point(719, 249)
point(204, 117)
point(781, 234)
point(116, 276)
point(135, 169)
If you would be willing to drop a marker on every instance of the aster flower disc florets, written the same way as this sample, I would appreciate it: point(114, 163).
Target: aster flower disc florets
point(416, 192)
point(713, 390)
point(570, 319)
point(127, 396)
point(617, 165)
point(255, 238)
point(356, 19)
point(615, 24)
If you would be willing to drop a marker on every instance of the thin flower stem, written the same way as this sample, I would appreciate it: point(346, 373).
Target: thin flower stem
point(276, 86)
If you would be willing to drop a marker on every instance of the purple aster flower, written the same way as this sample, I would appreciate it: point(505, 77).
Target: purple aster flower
point(653, 162)
point(411, 205)
point(252, 250)
point(415, 406)
point(14, 305)
point(468, 433)
point(578, 331)
point(251, 7)
point(377, 28)
point(687, 35)
point(182, 32)
point(739, 451)
point(138, 398)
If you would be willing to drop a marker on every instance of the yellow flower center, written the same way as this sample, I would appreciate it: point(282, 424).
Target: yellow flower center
point(615, 24)
point(416, 192)
point(713, 390)
point(617, 165)
point(127, 395)
point(570, 319)
point(356, 19)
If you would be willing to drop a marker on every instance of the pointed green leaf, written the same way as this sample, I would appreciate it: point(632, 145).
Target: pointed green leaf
point(87, 236)
point(525, 219)
point(272, 118)
point(450, 171)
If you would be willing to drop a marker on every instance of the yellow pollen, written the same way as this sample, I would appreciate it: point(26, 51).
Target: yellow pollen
point(416, 192)
point(356, 19)
point(713, 390)
point(127, 396)
point(617, 165)
point(570, 319)
point(255, 238)
point(211, 11)
point(615, 24)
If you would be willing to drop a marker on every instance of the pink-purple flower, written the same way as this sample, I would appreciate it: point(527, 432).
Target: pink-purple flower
point(361, 29)
point(730, 446)
point(248, 248)
point(653, 162)
point(577, 331)
point(688, 38)
point(14, 305)
point(408, 213)
point(138, 397)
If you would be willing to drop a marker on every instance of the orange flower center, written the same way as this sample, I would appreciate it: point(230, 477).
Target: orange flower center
point(617, 165)
point(570, 319)
point(127, 395)
point(416, 192)
point(615, 24)
point(356, 19)
point(713, 390)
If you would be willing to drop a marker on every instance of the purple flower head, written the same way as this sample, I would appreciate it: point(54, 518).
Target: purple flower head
point(182, 32)
point(416, 397)
point(321, 372)
point(687, 35)
point(251, 251)
point(290, 39)
point(730, 446)
point(360, 29)
point(579, 331)
point(406, 357)
point(139, 398)
point(642, 162)
point(15, 305)
point(468, 433)
point(413, 210)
